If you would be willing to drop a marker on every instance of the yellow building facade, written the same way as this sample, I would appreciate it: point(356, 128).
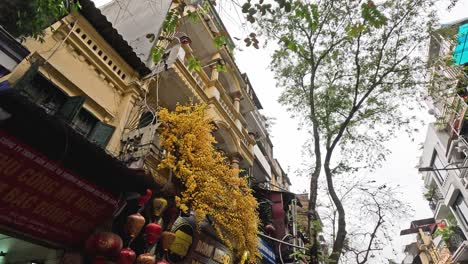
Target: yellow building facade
point(80, 65)
point(173, 82)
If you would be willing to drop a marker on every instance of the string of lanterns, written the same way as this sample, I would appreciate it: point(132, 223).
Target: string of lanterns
point(104, 246)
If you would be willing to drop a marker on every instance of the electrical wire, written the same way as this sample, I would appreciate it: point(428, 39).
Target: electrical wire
point(63, 41)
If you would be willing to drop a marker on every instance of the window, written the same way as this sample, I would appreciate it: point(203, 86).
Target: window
point(3, 71)
point(42, 92)
point(146, 119)
point(437, 163)
point(461, 209)
point(70, 109)
point(84, 122)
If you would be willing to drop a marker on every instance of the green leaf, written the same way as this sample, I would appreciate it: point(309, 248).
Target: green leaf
point(221, 68)
point(157, 53)
point(246, 7)
point(219, 41)
point(354, 30)
point(194, 64)
point(193, 16)
point(372, 15)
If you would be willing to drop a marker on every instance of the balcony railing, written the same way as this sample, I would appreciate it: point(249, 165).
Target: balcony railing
point(436, 198)
point(203, 82)
point(456, 239)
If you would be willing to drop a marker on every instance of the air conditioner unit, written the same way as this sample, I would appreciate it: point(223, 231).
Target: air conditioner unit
point(176, 52)
point(169, 58)
point(139, 143)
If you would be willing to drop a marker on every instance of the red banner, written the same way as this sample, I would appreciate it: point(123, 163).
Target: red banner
point(40, 198)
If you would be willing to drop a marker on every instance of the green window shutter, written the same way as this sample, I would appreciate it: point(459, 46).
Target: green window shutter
point(101, 134)
point(71, 107)
point(24, 83)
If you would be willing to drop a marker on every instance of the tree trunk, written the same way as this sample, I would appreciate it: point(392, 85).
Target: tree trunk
point(341, 232)
point(312, 210)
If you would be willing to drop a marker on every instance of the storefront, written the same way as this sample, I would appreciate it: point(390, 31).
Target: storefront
point(268, 254)
point(197, 247)
point(56, 187)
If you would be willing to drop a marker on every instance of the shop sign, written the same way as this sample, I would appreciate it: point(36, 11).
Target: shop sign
point(266, 251)
point(183, 230)
point(210, 251)
point(41, 199)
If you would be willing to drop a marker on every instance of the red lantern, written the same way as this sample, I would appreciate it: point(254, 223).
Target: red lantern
point(146, 258)
point(143, 199)
point(135, 223)
point(152, 232)
point(126, 256)
point(103, 244)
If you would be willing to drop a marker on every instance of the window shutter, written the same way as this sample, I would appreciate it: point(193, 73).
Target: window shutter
point(71, 107)
point(101, 134)
point(24, 83)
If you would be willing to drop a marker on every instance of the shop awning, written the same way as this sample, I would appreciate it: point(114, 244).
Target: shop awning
point(58, 141)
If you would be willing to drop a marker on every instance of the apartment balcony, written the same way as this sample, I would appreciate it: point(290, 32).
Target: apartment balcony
point(458, 245)
point(178, 84)
point(435, 198)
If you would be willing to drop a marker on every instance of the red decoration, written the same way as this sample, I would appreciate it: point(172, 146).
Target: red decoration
point(152, 232)
point(146, 258)
point(103, 244)
point(126, 256)
point(143, 199)
point(441, 225)
point(135, 223)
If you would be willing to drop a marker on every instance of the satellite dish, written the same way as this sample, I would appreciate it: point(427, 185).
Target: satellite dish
point(431, 111)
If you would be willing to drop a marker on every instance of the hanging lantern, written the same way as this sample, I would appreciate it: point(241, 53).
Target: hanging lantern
point(135, 223)
point(146, 258)
point(152, 232)
point(167, 239)
point(103, 244)
point(126, 256)
point(159, 205)
point(143, 199)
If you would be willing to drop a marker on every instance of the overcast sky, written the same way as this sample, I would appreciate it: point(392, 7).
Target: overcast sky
point(288, 141)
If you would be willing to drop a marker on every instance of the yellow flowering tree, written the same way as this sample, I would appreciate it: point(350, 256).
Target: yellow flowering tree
point(210, 187)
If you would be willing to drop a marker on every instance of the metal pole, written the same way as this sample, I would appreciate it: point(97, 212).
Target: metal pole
point(280, 241)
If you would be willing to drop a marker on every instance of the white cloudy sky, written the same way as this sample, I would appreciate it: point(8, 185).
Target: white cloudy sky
point(288, 141)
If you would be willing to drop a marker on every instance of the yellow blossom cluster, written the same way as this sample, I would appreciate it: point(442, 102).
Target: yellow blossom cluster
point(211, 188)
